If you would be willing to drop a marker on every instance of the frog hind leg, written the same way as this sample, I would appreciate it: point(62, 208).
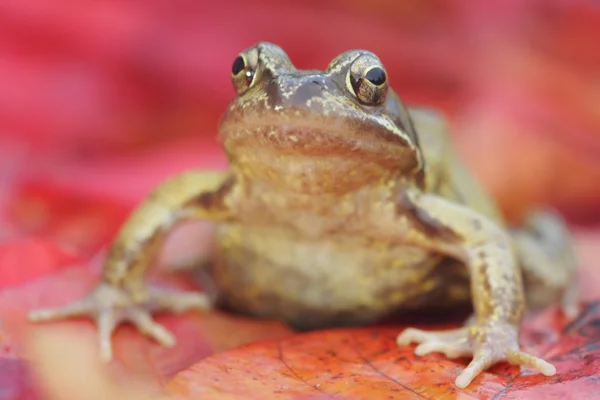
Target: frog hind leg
point(545, 252)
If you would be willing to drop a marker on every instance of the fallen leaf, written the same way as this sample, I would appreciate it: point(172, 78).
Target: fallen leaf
point(101, 101)
point(198, 334)
point(367, 364)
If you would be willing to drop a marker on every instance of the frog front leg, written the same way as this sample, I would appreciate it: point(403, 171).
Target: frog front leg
point(496, 286)
point(122, 294)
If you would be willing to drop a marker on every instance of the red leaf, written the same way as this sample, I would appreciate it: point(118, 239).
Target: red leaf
point(25, 260)
point(87, 89)
point(198, 334)
point(367, 364)
point(15, 380)
point(356, 363)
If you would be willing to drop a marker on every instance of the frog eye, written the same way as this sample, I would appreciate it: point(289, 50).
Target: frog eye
point(367, 80)
point(242, 74)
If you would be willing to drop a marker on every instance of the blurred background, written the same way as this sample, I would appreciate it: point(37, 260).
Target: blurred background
point(99, 101)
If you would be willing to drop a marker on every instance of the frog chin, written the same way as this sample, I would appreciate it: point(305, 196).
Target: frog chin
point(299, 172)
point(301, 157)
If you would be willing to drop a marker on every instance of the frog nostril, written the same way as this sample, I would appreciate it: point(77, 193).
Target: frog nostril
point(317, 83)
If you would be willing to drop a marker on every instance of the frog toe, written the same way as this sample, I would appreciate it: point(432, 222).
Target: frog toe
point(145, 324)
point(518, 357)
point(411, 335)
point(77, 309)
point(475, 367)
point(452, 343)
point(570, 301)
point(177, 301)
point(451, 350)
point(106, 323)
point(111, 305)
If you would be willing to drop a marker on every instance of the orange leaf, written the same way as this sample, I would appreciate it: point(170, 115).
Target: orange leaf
point(367, 364)
point(198, 334)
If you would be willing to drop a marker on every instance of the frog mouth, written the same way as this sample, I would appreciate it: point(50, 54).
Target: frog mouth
point(295, 150)
point(312, 135)
point(300, 139)
point(310, 152)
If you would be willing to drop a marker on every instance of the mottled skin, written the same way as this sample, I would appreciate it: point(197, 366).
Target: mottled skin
point(340, 207)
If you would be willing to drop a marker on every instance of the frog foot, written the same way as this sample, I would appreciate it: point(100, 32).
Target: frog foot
point(569, 303)
point(488, 343)
point(111, 305)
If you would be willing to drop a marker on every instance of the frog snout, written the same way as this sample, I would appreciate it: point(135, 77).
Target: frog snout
point(306, 92)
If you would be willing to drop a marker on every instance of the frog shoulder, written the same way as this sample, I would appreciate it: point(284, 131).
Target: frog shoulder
point(446, 174)
point(432, 131)
point(434, 142)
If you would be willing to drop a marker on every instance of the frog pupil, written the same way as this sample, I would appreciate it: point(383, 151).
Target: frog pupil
point(376, 76)
point(238, 65)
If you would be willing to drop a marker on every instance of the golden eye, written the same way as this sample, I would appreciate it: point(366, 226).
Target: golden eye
point(242, 74)
point(367, 80)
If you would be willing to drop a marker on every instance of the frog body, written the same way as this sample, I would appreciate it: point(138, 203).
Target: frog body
point(341, 206)
point(261, 266)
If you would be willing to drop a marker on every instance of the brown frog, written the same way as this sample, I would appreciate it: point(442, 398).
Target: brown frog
point(340, 207)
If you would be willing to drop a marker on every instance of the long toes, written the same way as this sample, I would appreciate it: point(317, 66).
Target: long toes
point(411, 335)
point(179, 302)
point(428, 347)
point(451, 350)
point(521, 358)
point(79, 308)
point(477, 366)
point(570, 311)
point(189, 301)
point(146, 325)
point(570, 301)
point(106, 322)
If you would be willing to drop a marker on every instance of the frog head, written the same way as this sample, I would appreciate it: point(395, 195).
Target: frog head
point(317, 131)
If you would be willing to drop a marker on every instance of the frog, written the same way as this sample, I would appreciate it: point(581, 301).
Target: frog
point(340, 206)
